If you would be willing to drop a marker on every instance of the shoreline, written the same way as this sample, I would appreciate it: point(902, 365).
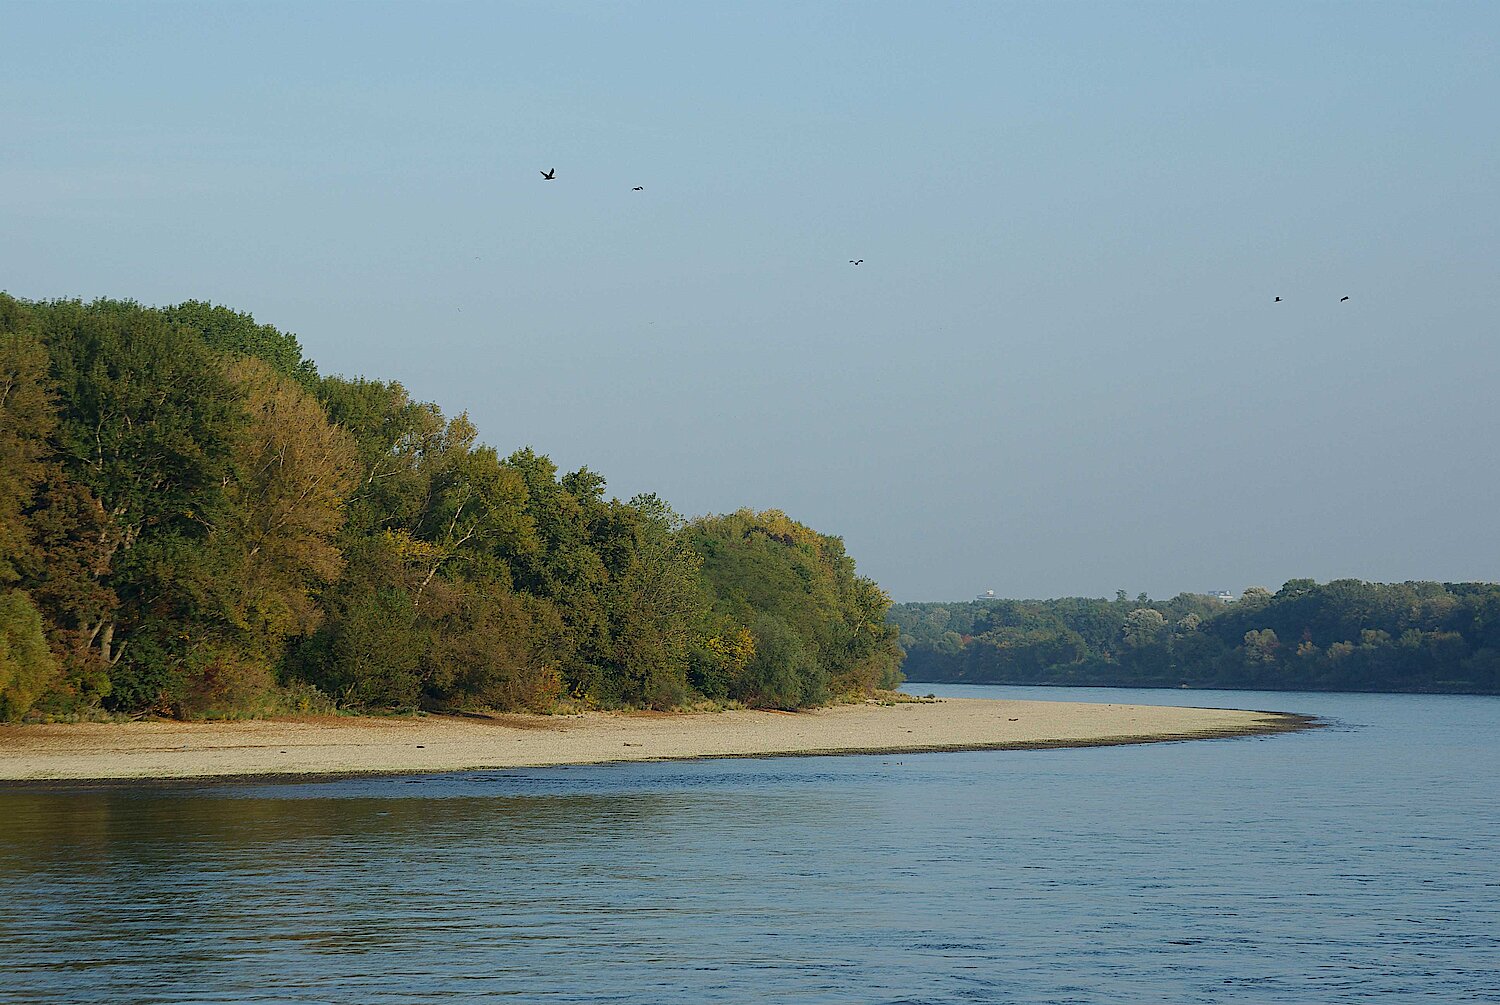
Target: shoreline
point(323, 748)
point(1179, 688)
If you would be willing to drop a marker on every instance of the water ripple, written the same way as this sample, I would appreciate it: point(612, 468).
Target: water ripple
point(1329, 867)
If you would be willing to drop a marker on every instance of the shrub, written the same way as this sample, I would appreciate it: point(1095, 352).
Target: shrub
point(26, 665)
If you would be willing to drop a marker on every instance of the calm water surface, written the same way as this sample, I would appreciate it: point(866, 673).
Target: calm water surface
point(1349, 864)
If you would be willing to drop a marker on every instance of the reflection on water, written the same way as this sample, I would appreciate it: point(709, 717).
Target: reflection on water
point(1329, 866)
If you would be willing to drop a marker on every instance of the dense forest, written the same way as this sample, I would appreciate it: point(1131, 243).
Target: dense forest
point(1345, 635)
point(195, 522)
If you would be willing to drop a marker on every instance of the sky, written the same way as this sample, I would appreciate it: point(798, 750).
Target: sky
point(1060, 369)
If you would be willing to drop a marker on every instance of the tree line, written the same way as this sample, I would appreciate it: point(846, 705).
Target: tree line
point(195, 522)
point(1345, 635)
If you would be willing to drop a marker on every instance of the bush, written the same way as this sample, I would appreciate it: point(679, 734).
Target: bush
point(26, 665)
point(141, 679)
point(223, 684)
point(782, 673)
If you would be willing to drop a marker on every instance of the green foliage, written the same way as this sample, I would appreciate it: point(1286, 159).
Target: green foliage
point(375, 659)
point(26, 665)
point(205, 527)
point(796, 591)
point(26, 422)
point(228, 331)
point(1346, 635)
point(784, 672)
point(656, 602)
point(1144, 626)
point(147, 416)
point(494, 649)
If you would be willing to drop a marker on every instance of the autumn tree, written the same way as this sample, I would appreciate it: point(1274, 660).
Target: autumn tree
point(191, 518)
point(284, 506)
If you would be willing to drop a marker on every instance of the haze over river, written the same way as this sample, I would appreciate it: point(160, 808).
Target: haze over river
point(1335, 865)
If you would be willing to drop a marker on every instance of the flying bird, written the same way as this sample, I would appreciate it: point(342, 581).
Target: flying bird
point(639, 188)
point(860, 261)
point(1276, 301)
point(550, 175)
point(1342, 299)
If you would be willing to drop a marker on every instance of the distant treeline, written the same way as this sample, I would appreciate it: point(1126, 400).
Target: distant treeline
point(1346, 635)
point(194, 522)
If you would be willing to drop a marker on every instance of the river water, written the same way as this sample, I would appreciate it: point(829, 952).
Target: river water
point(1354, 863)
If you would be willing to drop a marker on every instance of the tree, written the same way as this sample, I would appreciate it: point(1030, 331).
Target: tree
point(1262, 647)
point(1254, 598)
point(1348, 634)
point(1144, 626)
point(26, 422)
point(783, 673)
point(229, 331)
point(66, 575)
point(766, 564)
point(147, 424)
point(474, 514)
point(189, 515)
point(283, 507)
point(656, 602)
point(371, 652)
point(493, 648)
point(26, 665)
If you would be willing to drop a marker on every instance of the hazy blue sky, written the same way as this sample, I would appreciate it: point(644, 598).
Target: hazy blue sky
point(1059, 371)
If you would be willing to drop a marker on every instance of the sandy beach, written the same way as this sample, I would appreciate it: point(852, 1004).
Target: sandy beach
point(348, 746)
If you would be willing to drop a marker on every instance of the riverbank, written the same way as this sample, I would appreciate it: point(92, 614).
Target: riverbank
point(337, 746)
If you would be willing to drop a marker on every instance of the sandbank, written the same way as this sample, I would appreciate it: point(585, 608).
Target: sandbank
point(341, 746)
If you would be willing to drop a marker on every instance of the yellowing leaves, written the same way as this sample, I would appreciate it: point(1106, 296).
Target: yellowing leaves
point(734, 651)
point(413, 550)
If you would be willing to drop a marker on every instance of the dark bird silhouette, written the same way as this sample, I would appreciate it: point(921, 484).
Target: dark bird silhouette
point(1276, 301)
point(550, 175)
point(1342, 299)
point(860, 261)
point(639, 188)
